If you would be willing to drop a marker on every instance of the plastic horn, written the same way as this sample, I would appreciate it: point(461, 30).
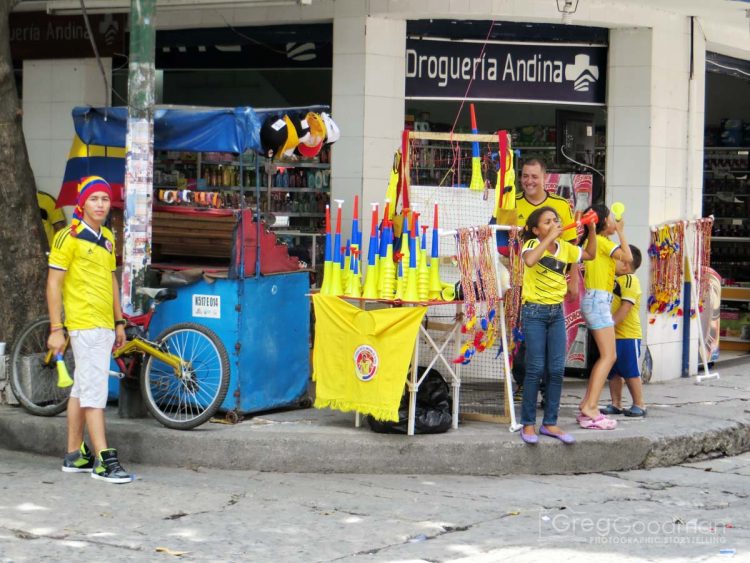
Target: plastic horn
point(435, 287)
point(387, 266)
point(325, 287)
point(383, 248)
point(412, 293)
point(354, 284)
point(400, 283)
point(355, 223)
point(618, 208)
point(448, 292)
point(589, 217)
point(405, 249)
point(423, 272)
point(63, 377)
point(346, 263)
point(477, 183)
point(371, 275)
point(336, 285)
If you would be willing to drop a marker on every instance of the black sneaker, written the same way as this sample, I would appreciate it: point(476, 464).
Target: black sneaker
point(79, 461)
point(107, 468)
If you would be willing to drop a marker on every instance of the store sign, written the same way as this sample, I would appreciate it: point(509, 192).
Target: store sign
point(533, 72)
point(36, 35)
point(269, 47)
point(207, 306)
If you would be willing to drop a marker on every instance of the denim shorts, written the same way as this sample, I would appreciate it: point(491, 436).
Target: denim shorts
point(596, 308)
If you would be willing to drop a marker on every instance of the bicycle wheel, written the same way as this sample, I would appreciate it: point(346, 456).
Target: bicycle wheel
point(33, 382)
point(188, 401)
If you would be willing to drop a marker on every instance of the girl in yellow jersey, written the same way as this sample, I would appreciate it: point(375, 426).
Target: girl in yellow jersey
point(546, 257)
point(599, 280)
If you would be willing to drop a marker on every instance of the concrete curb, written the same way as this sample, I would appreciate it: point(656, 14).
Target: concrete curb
point(686, 422)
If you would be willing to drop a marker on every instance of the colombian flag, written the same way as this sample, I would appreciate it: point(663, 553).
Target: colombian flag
point(92, 160)
point(361, 358)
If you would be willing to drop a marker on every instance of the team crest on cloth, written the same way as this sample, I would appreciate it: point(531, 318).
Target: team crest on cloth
point(365, 362)
point(108, 245)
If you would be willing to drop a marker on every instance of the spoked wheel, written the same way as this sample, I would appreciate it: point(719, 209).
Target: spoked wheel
point(33, 382)
point(186, 401)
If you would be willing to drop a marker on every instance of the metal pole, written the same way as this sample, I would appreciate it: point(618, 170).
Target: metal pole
point(139, 158)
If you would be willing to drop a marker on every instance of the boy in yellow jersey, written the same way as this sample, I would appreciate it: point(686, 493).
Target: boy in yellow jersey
point(625, 312)
point(82, 278)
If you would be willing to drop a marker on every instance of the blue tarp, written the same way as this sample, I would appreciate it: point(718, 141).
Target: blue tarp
point(181, 129)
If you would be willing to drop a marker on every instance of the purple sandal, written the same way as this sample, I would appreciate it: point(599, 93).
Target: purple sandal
point(565, 438)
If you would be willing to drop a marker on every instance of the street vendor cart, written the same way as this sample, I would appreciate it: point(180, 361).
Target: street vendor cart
point(238, 280)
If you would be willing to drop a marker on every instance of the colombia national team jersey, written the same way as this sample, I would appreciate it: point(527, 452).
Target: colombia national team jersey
point(524, 208)
point(88, 260)
point(628, 288)
point(600, 272)
point(544, 282)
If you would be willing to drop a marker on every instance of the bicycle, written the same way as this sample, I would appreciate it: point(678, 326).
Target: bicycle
point(184, 372)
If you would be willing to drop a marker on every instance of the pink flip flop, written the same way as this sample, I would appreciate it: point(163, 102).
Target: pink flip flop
point(601, 422)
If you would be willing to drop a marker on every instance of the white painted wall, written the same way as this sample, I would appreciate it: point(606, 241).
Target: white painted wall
point(51, 89)
point(655, 150)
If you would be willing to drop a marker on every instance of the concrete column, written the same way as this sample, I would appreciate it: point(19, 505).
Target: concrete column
point(367, 104)
point(654, 149)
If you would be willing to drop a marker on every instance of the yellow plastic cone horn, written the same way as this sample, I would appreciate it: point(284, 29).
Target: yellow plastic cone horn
point(618, 209)
point(63, 377)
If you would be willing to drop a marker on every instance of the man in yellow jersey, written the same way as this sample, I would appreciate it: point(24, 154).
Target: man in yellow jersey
point(535, 196)
point(82, 279)
point(626, 305)
point(53, 218)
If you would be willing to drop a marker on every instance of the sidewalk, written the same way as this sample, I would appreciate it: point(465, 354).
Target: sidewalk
point(686, 421)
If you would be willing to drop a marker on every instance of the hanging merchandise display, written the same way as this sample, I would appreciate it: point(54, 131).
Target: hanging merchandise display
point(481, 296)
point(666, 255)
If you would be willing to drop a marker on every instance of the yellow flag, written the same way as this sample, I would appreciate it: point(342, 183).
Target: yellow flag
point(361, 358)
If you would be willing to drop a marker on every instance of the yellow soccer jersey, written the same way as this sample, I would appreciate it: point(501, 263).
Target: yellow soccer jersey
point(50, 214)
point(524, 208)
point(600, 272)
point(628, 288)
point(88, 260)
point(544, 282)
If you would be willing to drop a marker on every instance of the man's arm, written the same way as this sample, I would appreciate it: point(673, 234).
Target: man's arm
point(119, 328)
point(55, 279)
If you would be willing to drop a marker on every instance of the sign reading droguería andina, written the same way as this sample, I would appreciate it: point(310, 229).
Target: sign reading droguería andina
point(36, 35)
point(539, 72)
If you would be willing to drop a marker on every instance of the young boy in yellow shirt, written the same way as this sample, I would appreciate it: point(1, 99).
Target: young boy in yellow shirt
point(625, 312)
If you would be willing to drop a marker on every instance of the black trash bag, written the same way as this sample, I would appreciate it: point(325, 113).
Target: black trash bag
point(433, 411)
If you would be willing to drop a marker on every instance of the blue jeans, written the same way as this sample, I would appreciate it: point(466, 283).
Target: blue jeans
point(546, 348)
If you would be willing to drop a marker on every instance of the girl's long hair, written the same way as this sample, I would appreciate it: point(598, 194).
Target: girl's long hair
point(533, 221)
point(602, 212)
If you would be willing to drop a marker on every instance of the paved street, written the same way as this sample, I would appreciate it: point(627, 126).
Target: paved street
point(692, 511)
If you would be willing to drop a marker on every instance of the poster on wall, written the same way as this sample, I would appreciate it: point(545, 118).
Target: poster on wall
point(710, 315)
point(577, 189)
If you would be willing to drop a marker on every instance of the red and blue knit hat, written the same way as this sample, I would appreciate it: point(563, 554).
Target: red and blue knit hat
point(88, 186)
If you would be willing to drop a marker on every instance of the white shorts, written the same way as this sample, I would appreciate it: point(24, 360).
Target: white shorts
point(92, 350)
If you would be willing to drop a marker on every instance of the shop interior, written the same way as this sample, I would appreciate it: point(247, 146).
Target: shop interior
point(726, 189)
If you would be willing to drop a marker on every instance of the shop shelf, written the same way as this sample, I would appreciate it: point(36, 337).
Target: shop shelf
point(735, 293)
point(299, 190)
point(731, 239)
